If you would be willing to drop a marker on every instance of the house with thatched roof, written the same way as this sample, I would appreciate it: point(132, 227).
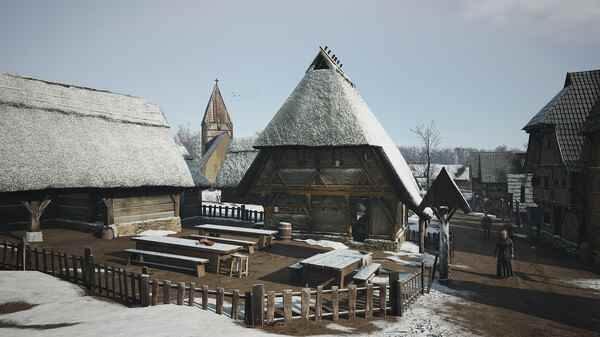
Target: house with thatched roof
point(87, 157)
point(327, 165)
point(555, 156)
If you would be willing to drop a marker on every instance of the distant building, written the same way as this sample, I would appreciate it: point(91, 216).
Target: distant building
point(489, 173)
point(88, 158)
point(216, 120)
point(459, 173)
point(555, 156)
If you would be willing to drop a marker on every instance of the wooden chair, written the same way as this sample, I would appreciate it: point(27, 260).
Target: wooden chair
point(239, 265)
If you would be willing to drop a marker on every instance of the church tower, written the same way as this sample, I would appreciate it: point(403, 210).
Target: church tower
point(216, 118)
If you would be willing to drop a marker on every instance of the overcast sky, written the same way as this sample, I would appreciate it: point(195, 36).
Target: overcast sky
point(479, 68)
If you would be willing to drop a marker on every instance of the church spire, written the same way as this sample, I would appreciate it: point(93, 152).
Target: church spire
point(216, 118)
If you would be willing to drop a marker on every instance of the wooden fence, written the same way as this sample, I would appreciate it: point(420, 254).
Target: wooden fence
point(231, 212)
point(256, 307)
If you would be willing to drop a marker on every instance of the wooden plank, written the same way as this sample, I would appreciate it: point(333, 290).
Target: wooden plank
point(235, 304)
point(137, 210)
point(383, 301)
point(180, 292)
point(335, 303)
point(191, 294)
point(220, 299)
point(352, 295)
point(205, 297)
point(305, 303)
point(144, 217)
point(270, 307)
point(369, 301)
point(145, 290)
point(154, 292)
point(287, 304)
point(166, 292)
point(318, 303)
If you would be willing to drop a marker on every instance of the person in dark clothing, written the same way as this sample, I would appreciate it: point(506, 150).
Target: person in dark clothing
point(505, 252)
point(486, 225)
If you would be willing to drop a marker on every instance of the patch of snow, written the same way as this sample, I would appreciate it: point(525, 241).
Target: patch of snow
point(592, 283)
point(324, 243)
point(480, 215)
point(156, 232)
point(409, 247)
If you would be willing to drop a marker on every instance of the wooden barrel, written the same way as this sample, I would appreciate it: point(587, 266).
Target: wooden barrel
point(285, 231)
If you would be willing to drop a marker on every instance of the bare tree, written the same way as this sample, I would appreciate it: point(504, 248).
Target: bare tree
point(429, 136)
point(191, 140)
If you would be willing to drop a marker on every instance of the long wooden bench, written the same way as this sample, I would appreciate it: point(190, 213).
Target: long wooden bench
point(366, 273)
point(158, 259)
point(250, 246)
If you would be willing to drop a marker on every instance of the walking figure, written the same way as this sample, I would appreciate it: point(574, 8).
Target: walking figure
point(505, 252)
point(486, 225)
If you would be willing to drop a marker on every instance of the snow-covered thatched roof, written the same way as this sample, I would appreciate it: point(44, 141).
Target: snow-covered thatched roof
point(57, 135)
point(239, 157)
point(325, 109)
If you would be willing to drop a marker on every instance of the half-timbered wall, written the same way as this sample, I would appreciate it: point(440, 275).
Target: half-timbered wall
point(315, 188)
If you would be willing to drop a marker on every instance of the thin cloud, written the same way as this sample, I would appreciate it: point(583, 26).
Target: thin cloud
point(540, 17)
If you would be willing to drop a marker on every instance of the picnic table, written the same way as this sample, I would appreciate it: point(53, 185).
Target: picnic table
point(264, 235)
point(187, 247)
point(333, 265)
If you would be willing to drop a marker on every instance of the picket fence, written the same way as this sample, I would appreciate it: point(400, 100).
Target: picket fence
point(257, 307)
point(232, 212)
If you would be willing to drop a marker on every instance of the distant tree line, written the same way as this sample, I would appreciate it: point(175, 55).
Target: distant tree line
point(457, 155)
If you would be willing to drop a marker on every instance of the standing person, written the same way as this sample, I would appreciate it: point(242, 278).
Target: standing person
point(505, 252)
point(486, 225)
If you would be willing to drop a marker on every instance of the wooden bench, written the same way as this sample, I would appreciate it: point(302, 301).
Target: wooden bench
point(159, 259)
point(366, 273)
point(250, 246)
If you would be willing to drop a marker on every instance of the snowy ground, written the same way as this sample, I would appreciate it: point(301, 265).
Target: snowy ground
point(324, 243)
point(62, 309)
point(156, 232)
point(214, 198)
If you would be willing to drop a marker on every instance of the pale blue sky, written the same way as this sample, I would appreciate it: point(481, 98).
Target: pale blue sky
point(480, 69)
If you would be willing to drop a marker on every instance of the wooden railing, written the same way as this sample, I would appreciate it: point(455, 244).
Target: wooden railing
point(232, 212)
point(255, 307)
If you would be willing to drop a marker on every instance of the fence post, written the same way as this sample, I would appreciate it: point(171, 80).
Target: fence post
point(204, 296)
point(369, 301)
point(235, 304)
point(248, 308)
point(22, 259)
point(91, 273)
point(305, 303)
point(335, 303)
point(394, 293)
point(270, 306)
point(352, 301)
point(44, 260)
point(191, 294)
point(383, 300)
point(318, 303)
point(154, 292)
point(145, 290)
point(258, 303)
point(287, 305)
point(219, 300)
point(400, 298)
point(180, 291)
point(166, 292)
point(422, 277)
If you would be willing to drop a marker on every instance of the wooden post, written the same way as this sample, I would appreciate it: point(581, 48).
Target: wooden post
point(400, 301)
point(318, 303)
point(394, 293)
point(352, 294)
point(122, 294)
point(383, 300)
point(113, 282)
point(52, 263)
point(444, 243)
point(145, 290)
point(205, 297)
point(305, 303)
point(74, 263)
point(44, 260)
point(369, 301)
point(180, 292)
point(61, 268)
point(335, 303)
point(287, 305)
point(270, 307)
point(248, 308)
point(92, 273)
point(235, 304)
point(421, 235)
point(166, 292)
point(154, 292)
point(191, 294)
point(258, 303)
point(87, 252)
point(219, 300)
point(106, 281)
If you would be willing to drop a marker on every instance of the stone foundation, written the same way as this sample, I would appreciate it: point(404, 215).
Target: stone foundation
point(134, 228)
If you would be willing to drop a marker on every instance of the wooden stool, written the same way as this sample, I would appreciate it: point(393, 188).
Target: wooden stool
point(239, 264)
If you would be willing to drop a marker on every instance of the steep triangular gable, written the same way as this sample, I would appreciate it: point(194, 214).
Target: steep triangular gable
point(216, 111)
point(444, 192)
